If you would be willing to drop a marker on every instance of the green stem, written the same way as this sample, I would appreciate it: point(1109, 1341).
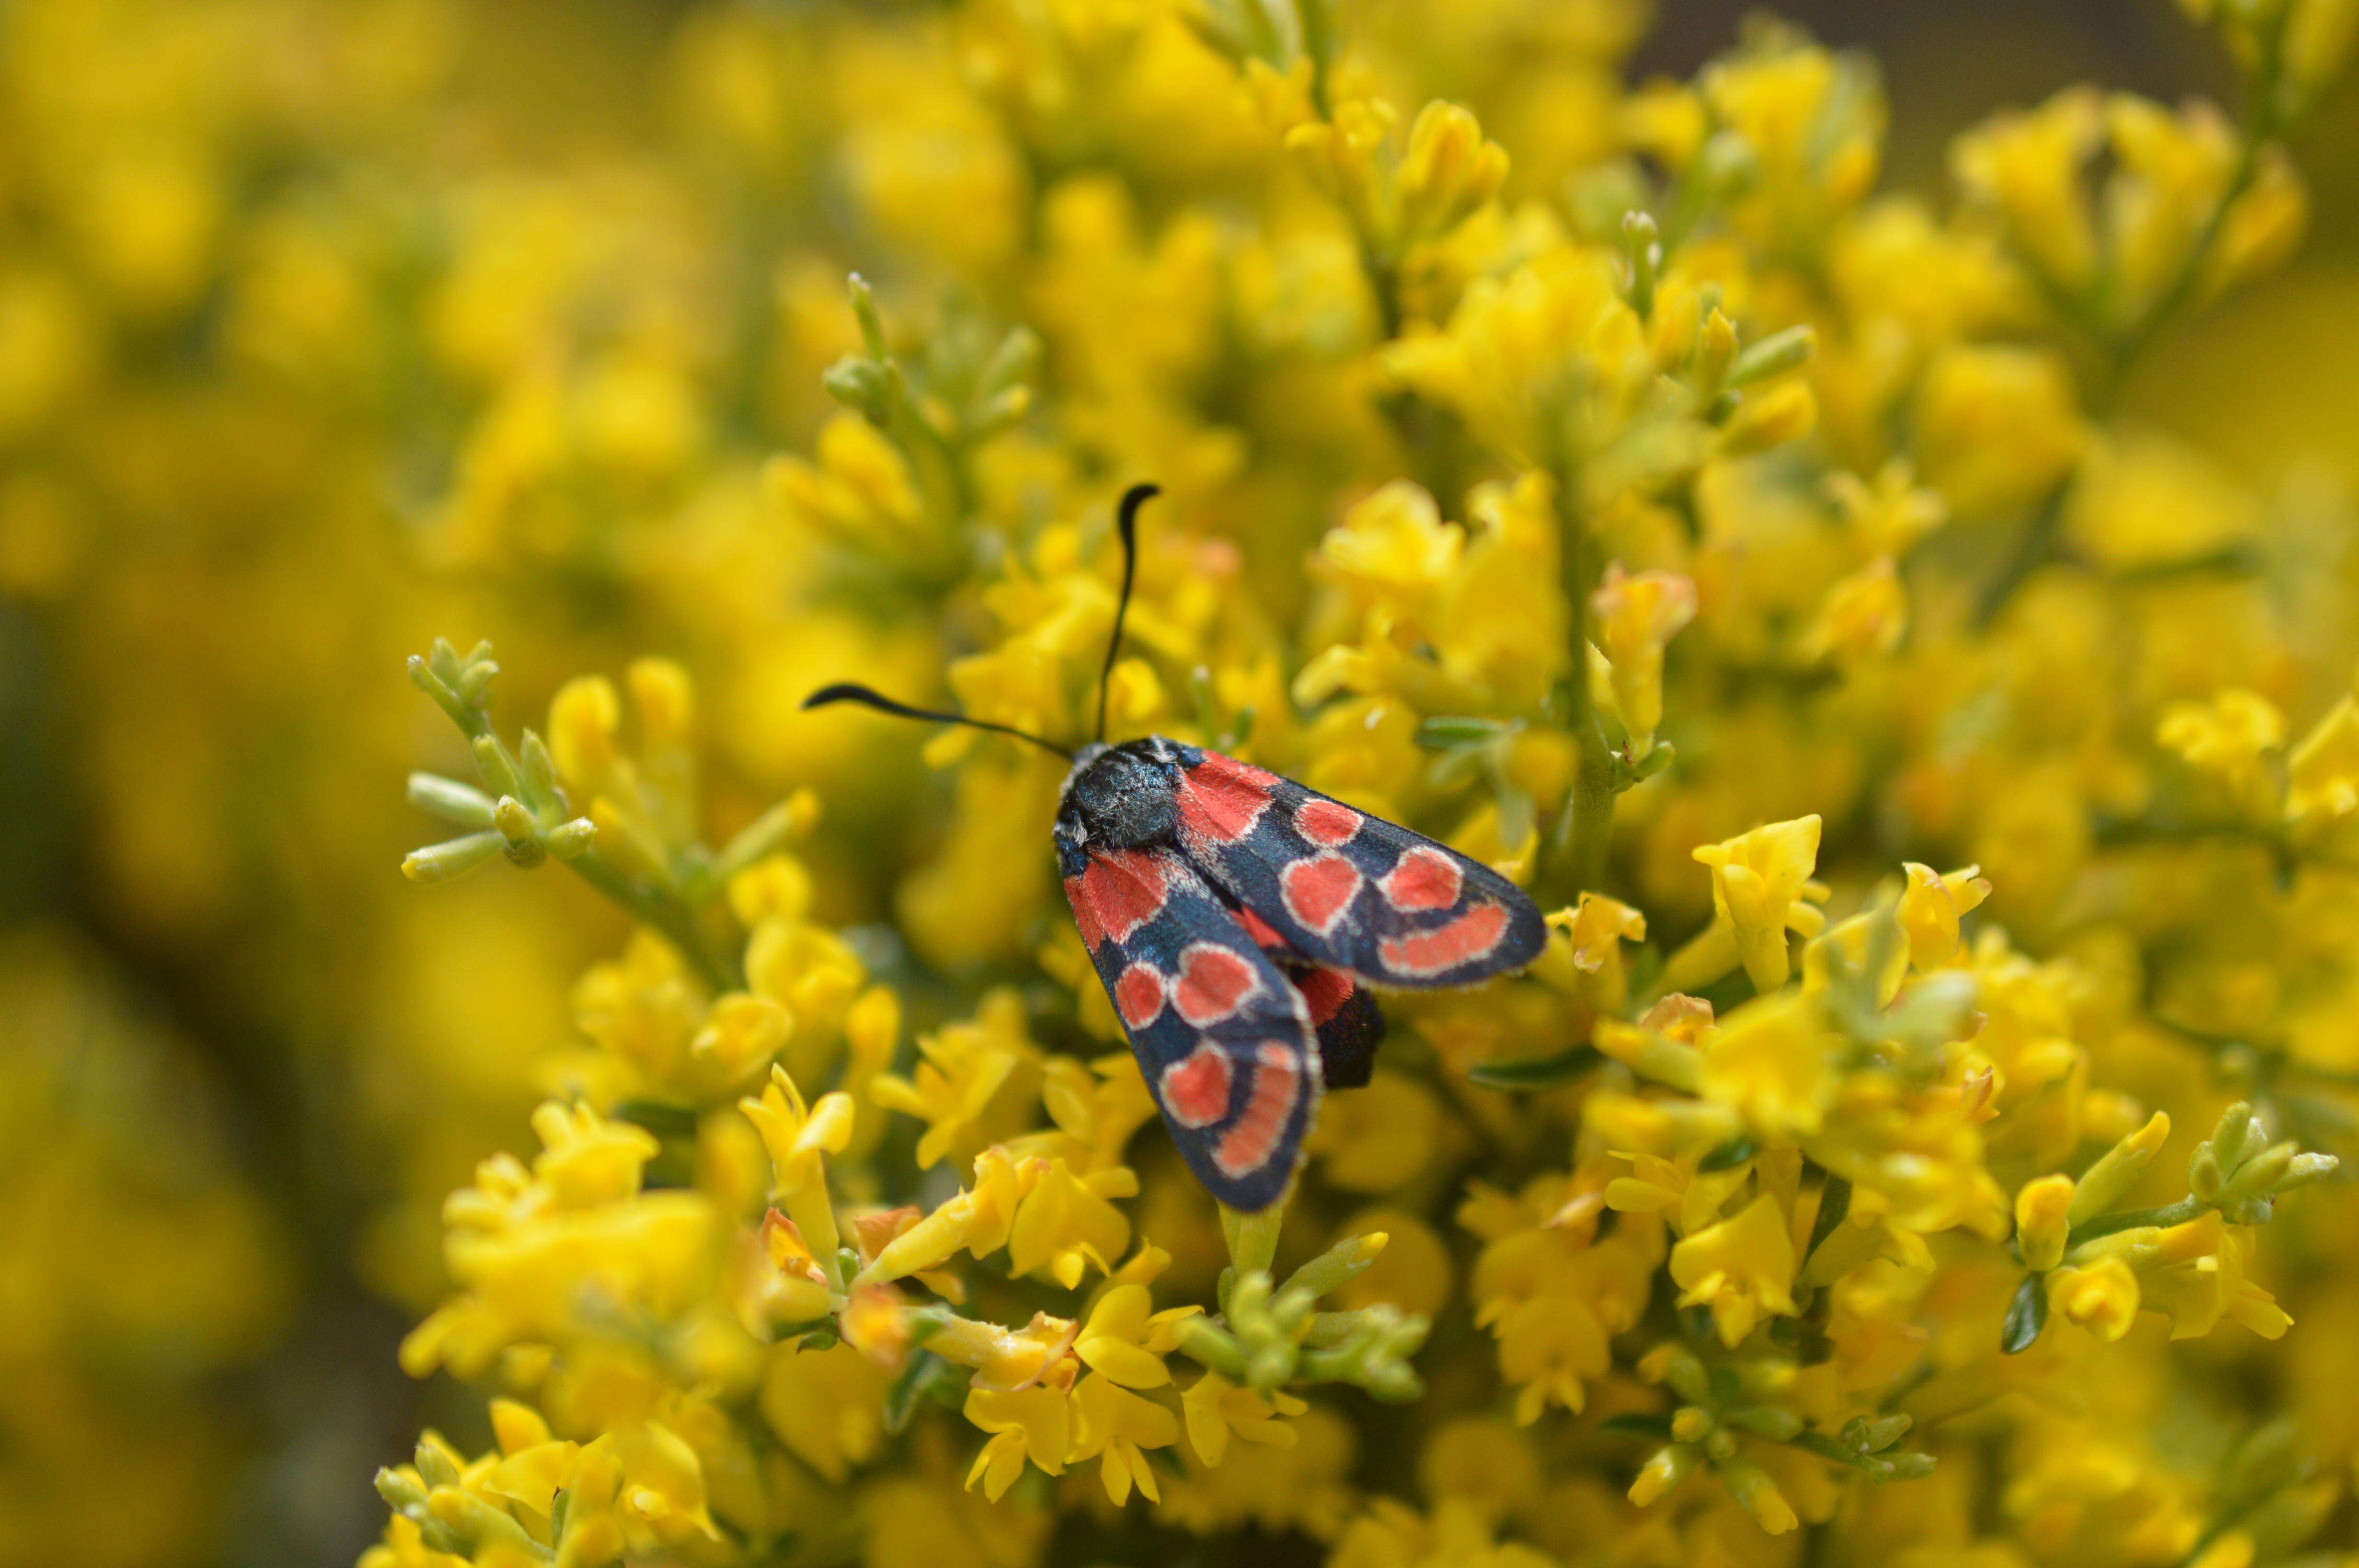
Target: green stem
point(1210, 1344)
point(663, 912)
point(1591, 808)
point(2180, 1212)
point(2032, 551)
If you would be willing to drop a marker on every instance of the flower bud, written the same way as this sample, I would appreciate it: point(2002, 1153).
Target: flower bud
point(452, 858)
point(1783, 413)
point(453, 802)
point(1663, 1469)
point(2041, 1208)
point(2104, 1183)
point(2305, 1169)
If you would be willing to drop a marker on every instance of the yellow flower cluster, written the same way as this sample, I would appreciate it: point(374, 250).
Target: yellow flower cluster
point(1940, 780)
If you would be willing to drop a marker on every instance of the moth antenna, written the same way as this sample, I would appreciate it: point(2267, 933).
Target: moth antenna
point(1126, 522)
point(851, 691)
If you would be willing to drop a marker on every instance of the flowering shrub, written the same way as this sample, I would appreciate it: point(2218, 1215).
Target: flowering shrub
point(1768, 1210)
point(1943, 785)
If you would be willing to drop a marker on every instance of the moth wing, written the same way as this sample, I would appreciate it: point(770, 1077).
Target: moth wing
point(1225, 1041)
point(1349, 890)
point(1343, 1010)
point(1350, 1024)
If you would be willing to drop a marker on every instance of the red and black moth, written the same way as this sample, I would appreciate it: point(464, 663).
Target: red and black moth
point(1238, 921)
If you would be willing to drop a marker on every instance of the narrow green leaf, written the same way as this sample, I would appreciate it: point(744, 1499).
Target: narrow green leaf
point(1527, 1075)
point(901, 1400)
point(1442, 731)
point(2027, 1314)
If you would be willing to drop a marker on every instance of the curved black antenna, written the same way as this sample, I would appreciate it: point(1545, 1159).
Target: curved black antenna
point(849, 691)
point(1126, 521)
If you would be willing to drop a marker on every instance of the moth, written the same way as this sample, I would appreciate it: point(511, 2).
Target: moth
point(1238, 919)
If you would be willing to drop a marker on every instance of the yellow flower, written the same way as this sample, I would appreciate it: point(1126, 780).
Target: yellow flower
point(798, 1137)
point(1126, 1339)
point(980, 1219)
point(1930, 909)
point(1399, 196)
point(964, 1066)
point(1636, 615)
point(1215, 1408)
point(2227, 737)
point(1741, 1268)
point(2323, 770)
point(1552, 1301)
point(1760, 881)
point(2028, 166)
point(2197, 1292)
point(1584, 950)
point(1864, 616)
point(1547, 364)
point(1035, 1423)
point(1456, 1536)
point(1996, 426)
point(1392, 546)
point(586, 1160)
point(826, 1406)
point(1066, 1223)
point(1113, 1424)
point(2101, 1298)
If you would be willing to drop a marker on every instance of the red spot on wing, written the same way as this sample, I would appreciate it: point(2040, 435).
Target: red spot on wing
point(1261, 1126)
point(1423, 878)
point(1124, 889)
point(1326, 822)
point(1318, 888)
point(1212, 981)
point(1196, 1087)
point(1263, 935)
point(1220, 799)
point(1461, 941)
point(1139, 995)
point(1326, 991)
point(1085, 911)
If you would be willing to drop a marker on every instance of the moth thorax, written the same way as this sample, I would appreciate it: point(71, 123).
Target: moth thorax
point(1124, 797)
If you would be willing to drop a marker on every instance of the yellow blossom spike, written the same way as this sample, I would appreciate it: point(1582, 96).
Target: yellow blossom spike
point(1759, 883)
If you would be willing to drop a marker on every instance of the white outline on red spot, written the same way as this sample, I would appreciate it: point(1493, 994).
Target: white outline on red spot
point(1261, 1125)
point(1177, 1101)
point(1332, 836)
point(1343, 905)
point(1425, 856)
point(1182, 980)
point(1394, 949)
point(1154, 978)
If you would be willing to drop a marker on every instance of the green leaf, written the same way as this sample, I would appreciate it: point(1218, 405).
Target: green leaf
point(1731, 1155)
point(1637, 1423)
point(1442, 731)
point(1527, 1075)
point(2026, 1315)
point(665, 1121)
point(920, 1375)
